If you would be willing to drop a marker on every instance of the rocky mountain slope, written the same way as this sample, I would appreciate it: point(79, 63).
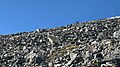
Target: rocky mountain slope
point(89, 44)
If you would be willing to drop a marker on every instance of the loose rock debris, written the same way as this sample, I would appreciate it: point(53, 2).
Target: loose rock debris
point(89, 44)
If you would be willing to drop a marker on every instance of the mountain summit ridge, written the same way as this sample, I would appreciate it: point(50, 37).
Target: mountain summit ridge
point(114, 17)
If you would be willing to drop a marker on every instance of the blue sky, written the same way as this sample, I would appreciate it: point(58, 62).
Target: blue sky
point(28, 15)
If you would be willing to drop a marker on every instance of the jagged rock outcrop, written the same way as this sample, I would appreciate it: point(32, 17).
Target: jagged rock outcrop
point(89, 44)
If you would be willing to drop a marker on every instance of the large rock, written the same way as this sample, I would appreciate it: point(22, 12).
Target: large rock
point(116, 34)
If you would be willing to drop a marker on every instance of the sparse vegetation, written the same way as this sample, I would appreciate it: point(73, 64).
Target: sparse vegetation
point(61, 51)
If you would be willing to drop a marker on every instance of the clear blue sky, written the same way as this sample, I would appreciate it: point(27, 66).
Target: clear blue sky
point(28, 15)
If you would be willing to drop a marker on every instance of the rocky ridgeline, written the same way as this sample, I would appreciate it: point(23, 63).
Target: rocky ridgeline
point(89, 44)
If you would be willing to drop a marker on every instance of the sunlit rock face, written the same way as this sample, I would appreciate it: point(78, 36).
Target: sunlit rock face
point(87, 44)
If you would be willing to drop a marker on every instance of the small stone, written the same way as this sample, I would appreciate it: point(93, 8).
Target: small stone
point(54, 38)
point(50, 40)
point(57, 65)
point(41, 40)
point(73, 56)
point(50, 64)
point(94, 42)
point(99, 56)
point(38, 30)
point(24, 47)
point(5, 55)
point(9, 57)
point(100, 36)
point(31, 56)
point(21, 61)
point(23, 43)
point(39, 60)
point(0, 65)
